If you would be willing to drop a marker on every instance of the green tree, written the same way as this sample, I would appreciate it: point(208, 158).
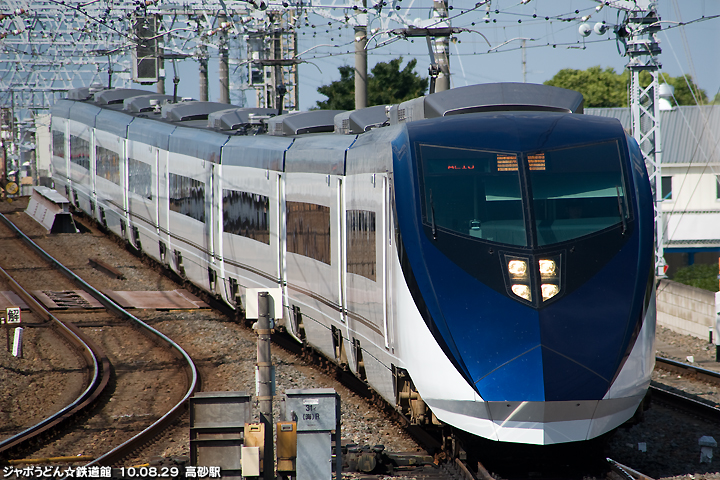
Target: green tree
point(605, 88)
point(700, 276)
point(387, 84)
point(600, 88)
point(683, 95)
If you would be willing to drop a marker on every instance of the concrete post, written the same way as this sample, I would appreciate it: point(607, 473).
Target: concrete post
point(442, 47)
point(203, 74)
point(161, 61)
point(224, 68)
point(265, 381)
point(360, 67)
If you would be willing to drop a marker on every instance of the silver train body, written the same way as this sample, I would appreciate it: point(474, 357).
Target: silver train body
point(321, 207)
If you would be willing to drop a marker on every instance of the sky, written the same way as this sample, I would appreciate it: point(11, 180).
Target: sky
point(551, 45)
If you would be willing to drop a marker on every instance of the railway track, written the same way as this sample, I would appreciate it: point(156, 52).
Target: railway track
point(677, 399)
point(100, 366)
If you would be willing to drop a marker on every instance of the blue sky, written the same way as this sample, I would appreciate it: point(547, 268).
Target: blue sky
point(692, 48)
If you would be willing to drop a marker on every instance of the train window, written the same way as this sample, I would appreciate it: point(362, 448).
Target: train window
point(579, 191)
point(246, 214)
point(474, 193)
point(140, 178)
point(107, 164)
point(361, 243)
point(308, 230)
point(58, 144)
point(80, 152)
point(187, 196)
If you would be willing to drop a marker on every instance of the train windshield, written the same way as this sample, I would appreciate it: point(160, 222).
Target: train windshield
point(571, 192)
point(473, 192)
point(576, 191)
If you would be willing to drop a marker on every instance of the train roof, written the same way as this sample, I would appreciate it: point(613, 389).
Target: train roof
point(151, 132)
point(116, 95)
point(258, 151)
point(236, 118)
point(145, 102)
point(318, 154)
point(360, 121)
point(296, 141)
point(301, 123)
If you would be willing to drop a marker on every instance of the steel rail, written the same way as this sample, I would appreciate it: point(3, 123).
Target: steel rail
point(95, 359)
point(704, 374)
point(121, 451)
point(626, 472)
point(685, 403)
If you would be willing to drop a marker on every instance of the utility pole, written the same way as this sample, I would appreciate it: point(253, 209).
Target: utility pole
point(442, 47)
point(361, 58)
point(278, 83)
point(224, 68)
point(265, 382)
point(643, 49)
point(203, 60)
point(161, 60)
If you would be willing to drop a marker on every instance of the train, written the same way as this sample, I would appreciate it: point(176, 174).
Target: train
point(481, 257)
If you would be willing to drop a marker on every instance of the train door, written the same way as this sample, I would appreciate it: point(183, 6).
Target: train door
point(280, 227)
point(364, 258)
point(163, 202)
point(216, 232)
point(387, 248)
point(341, 252)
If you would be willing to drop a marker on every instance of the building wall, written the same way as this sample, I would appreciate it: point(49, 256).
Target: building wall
point(693, 188)
point(684, 309)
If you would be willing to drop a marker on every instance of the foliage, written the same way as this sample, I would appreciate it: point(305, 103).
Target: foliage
point(340, 93)
point(600, 88)
point(386, 85)
point(700, 276)
point(605, 88)
point(683, 95)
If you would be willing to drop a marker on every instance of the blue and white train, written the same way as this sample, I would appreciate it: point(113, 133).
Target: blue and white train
point(482, 257)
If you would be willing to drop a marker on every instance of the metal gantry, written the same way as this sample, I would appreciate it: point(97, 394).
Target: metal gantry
point(643, 50)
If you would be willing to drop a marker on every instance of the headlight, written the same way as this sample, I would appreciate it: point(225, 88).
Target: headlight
point(517, 268)
point(522, 291)
point(549, 290)
point(548, 268)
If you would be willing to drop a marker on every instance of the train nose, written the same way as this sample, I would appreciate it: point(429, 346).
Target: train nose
point(541, 374)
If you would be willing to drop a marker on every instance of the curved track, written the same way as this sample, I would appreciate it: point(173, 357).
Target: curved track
point(95, 359)
point(118, 453)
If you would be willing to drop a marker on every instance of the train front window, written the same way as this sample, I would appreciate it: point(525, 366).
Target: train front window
point(577, 191)
point(473, 193)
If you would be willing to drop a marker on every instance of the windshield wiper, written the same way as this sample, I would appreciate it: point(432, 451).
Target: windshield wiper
point(432, 218)
point(620, 208)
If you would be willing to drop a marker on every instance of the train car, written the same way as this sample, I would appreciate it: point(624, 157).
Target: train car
point(481, 257)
